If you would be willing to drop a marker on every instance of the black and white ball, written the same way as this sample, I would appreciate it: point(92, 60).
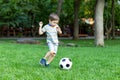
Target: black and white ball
point(65, 63)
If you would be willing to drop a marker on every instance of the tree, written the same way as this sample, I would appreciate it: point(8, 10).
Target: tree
point(113, 14)
point(109, 19)
point(14, 13)
point(59, 6)
point(66, 14)
point(76, 18)
point(99, 35)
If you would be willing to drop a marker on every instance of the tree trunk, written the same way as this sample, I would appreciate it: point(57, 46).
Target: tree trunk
point(59, 6)
point(76, 23)
point(99, 34)
point(113, 24)
point(110, 26)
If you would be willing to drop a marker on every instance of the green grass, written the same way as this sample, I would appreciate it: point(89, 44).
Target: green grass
point(21, 61)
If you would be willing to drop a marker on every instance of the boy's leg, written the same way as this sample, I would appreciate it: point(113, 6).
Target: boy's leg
point(51, 57)
point(43, 60)
point(47, 55)
point(52, 53)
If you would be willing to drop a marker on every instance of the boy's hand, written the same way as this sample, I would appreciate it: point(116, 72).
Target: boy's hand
point(59, 30)
point(40, 28)
point(40, 23)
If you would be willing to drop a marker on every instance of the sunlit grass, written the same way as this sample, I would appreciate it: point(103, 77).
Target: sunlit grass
point(21, 61)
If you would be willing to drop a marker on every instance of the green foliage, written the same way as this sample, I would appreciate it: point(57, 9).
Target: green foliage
point(25, 12)
point(28, 12)
point(67, 12)
point(117, 14)
point(107, 12)
point(117, 27)
point(10, 11)
point(21, 62)
point(87, 9)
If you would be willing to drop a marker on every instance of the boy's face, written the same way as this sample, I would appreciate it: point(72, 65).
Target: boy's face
point(53, 23)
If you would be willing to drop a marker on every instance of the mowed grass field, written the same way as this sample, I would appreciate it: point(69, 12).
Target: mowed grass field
point(21, 61)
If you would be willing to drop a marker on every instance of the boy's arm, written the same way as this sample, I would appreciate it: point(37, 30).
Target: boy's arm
point(40, 28)
point(59, 30)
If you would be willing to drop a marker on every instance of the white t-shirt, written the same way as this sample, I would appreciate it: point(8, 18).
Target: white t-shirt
point(51, 32)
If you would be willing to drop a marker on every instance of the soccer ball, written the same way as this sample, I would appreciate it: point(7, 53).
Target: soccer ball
point(65, 63)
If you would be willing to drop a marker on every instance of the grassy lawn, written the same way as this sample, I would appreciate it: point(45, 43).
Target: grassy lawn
point(21, 61)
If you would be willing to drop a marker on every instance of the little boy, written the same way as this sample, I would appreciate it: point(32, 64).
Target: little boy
point(52, 30)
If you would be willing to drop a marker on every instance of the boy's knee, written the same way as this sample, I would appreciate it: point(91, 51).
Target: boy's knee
point(52, 53)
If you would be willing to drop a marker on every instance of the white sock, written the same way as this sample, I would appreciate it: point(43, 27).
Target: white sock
point(47, 63)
